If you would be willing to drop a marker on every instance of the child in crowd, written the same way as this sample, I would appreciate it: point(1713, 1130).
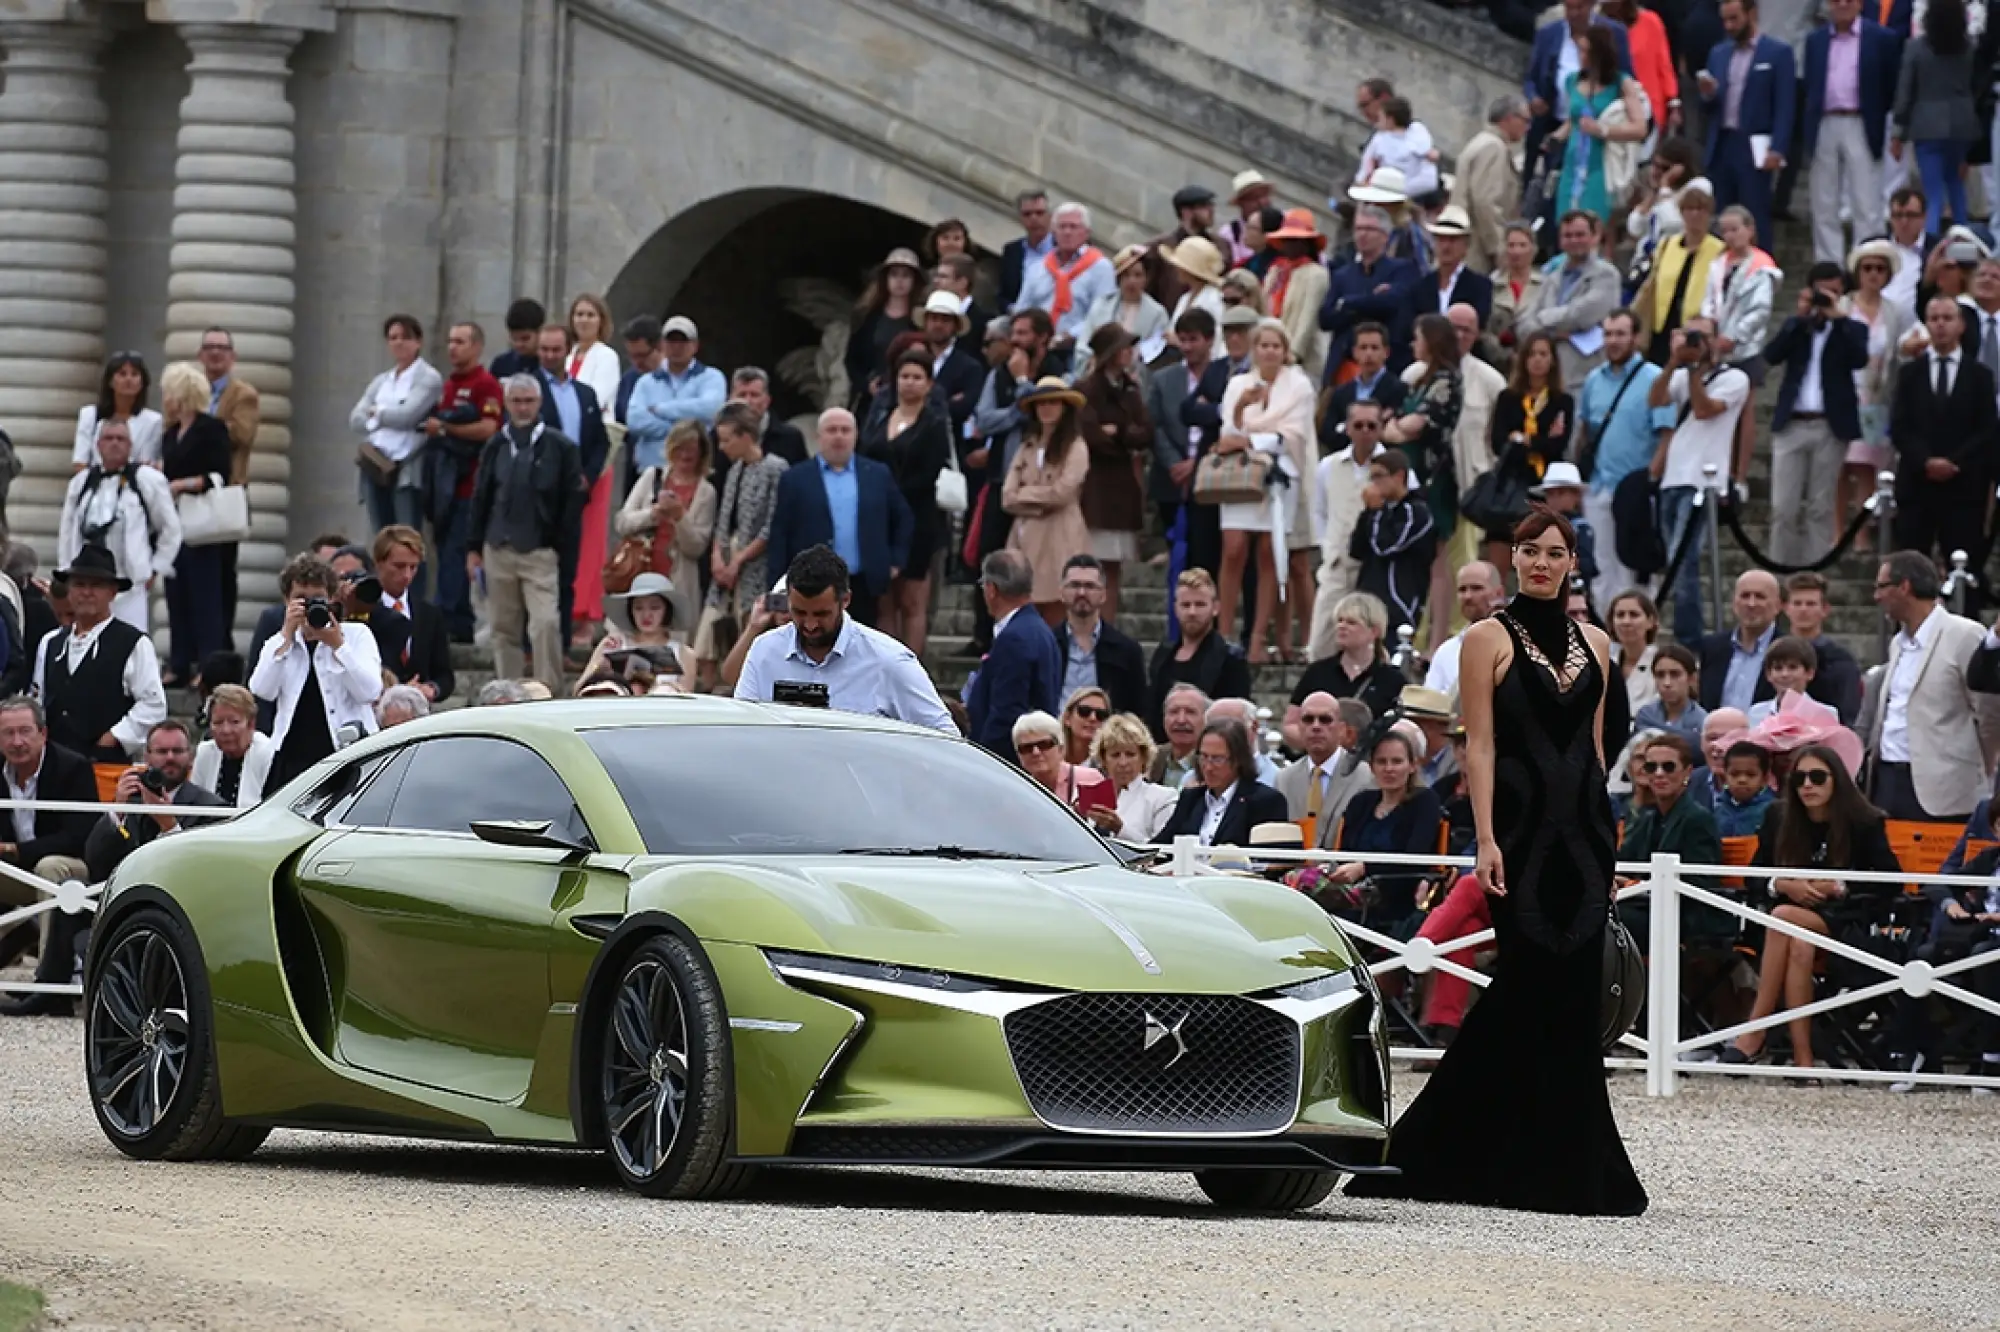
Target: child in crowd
point(1790, 665)
point(1675, 675)
point(1746, 793)
point(1402, 142)
point(1394, 540)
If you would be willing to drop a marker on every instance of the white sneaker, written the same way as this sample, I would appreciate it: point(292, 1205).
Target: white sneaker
point(1985, 1091)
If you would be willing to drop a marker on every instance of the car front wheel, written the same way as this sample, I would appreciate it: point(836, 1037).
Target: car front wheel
point(148, 1050)
point(1266, 1190)
point(664, 1081)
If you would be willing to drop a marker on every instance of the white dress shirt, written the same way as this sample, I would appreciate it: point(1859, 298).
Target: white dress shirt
point(350, 680)
point(141, 679)
point(24, 819)
point(867, 671)
point(395, 443)
point(1143, 809)
point(1443, 674)
point(1902, 682)
point(1216, 807)
point(1811, 397)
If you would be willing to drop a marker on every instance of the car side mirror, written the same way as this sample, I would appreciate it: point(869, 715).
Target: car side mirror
point(534, 834)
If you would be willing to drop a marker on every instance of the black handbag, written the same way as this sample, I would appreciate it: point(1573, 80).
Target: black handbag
point(1624, 979)
point(1498, 499)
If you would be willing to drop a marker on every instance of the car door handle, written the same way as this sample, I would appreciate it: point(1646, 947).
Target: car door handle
point(331, 869)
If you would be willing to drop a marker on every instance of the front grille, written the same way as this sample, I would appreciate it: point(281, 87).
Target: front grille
point(1137, 1063)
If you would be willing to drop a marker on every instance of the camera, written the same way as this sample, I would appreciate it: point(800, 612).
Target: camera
point(319, 615)
point(1694, 338)
point(154, 780)
point(1821, 300)
point(367, 588)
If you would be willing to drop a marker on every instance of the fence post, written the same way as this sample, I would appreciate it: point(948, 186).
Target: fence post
point(1663, 974)
point(1184, 862)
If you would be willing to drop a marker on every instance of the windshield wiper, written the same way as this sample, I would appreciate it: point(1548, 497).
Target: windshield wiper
point(938, 852)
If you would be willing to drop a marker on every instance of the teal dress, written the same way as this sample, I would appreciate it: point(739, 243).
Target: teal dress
point(1583, 185)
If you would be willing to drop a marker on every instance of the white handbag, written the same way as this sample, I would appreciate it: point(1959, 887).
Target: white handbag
point(951, 493)
point(215, 516)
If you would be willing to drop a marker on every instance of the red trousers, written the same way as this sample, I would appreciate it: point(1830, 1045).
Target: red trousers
point(1464, 911)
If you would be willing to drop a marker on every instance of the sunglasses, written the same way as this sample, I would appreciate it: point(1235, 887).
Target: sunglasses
point(1805, 777)
point(1034, 746)
point(1652, 769)
point(1318, 718)
point(1090, 712)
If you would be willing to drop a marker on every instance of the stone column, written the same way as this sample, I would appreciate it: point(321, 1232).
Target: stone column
point(233, 254)
point(53, 198)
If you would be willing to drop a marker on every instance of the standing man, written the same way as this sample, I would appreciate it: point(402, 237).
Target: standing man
point(1821, 353)
point(1453, 281)
point(849, 503)
point(1318, 786)
point(1024, 671)
point(399, 554)
point(1705, 399)
point(1070, 278)
point(1194, 214)
point(1249, 194)
point(525, 318)
point(1481, 591)
point(1907, 213)
point(1982, 336)
point(1944, 429)
point(322, 680)
point(1027, 249)
point(1748, 94)
point(1837, 682)
point(1617, 431)
point(1732, 663)
point(570, 407)
point(469, 412)
point(1371, 289)
point(47, 843)
point(1338, 486)
point(1851, 67)
point(529, 496)
point(1199, 655)
point(99, 679)
point(1096, 653)
point(958, 374)
point(781, 439)
point(681, 389)
point(1489, 180)
point(234, 402)
point(862, 669)
point(1572, 302)
point(1184, 403)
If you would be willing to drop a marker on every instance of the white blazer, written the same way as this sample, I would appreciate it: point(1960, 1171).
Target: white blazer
point(256, 768)
point(350, 680)
point(1951, 763)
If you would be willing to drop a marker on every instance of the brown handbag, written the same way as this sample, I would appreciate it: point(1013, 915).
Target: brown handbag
point(633, 557)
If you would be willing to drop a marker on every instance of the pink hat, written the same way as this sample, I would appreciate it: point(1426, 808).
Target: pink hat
point(1801, 721)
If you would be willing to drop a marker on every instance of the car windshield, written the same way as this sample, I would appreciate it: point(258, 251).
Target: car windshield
point(811, 790)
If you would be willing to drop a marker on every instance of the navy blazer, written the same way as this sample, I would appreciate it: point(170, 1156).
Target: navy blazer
point(1881, 62)
point(803, 519)
point(1254, 803)
point(1013, 262)
point(593, 441)
point(1357, 295)
point(1473, 289)
point(1714, 652)
point(1846, 352)
point(1547, 55)
point(1022, 673)
point(1769, 97)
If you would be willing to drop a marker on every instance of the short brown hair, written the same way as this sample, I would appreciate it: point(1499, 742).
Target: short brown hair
point(396, 535)
point(306, 568)
point(568, 333)
point(736, 414)
point(1673, 740)
point(236, 698)
point(1791, 651)
point(1678, 655)
point(1805, 582)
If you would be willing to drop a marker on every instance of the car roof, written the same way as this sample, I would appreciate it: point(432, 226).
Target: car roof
point(526, 721)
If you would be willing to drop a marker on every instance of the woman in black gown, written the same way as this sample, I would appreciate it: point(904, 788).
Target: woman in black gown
point(1517, 1113)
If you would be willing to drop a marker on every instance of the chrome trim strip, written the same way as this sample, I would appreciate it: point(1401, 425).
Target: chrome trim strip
point(1133, 943)
point(1304, 1011)
point(563, 1010)
point(994, 1004)
point(763, 1024)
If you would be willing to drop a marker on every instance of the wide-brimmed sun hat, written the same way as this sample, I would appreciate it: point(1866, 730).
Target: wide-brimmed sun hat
point(1428, 704)
point(903, 257)
point(1245, 181)
point(680, 611)
point(944, 303)
point(1386, 186)
point(1299, 225)
point(1050, 388)
point(1451, 221)
point(1198, 257)
point(1127, 257)
point(1879, 248)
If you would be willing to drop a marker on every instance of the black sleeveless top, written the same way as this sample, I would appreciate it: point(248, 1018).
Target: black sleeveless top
point(1551, 807)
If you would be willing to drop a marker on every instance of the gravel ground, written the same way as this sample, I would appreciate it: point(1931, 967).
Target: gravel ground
point(1772, 1206)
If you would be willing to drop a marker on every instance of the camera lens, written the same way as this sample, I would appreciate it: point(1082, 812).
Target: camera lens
point(318, 615)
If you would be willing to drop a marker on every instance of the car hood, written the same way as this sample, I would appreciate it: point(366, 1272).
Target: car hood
point(1059, 926)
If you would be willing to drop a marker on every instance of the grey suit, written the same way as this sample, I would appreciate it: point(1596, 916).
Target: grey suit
point(1934, 96)
point(1349, 777)
point(1591, 297)
point(1166, 390)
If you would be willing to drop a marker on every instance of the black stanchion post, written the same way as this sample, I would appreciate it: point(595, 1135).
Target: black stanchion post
point(1885, 513)
point(1711, 494)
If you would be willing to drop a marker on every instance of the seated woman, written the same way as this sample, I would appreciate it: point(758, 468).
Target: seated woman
point(1401, 815)
point(1674, 823)
point(1038, 744)
point(1825, 823)
point(1124, 753)
point(236, 758)
point(650, 617)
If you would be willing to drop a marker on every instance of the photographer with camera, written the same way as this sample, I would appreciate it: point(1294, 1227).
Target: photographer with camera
point(825, 658)
point(324, 681)
point(128, 509)
point(159, 782)
point(360, 598)
point(1821, 352)
point(1709, 397)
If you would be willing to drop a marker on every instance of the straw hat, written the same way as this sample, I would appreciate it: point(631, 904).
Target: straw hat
point(1880, 248)
point(1428, 704)
point(1198, 257)
point(1245, 181)
point(1050, 388)
point(1279, 835)
point(944, 303)
point(680, 611)
point(1560, 476)
point(1386, 186)
point(1451, 221)
point(1127, 257)
point(1299, 225)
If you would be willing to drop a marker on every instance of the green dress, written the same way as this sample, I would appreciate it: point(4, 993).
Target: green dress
point(1583, 184)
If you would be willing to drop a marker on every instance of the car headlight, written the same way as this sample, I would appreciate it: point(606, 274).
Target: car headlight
point(915, 984)
point(1320, 987)
point(884, 972)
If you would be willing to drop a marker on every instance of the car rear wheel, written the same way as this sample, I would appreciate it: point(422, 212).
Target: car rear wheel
point(149, 1052)
point(1266, 1190)
point(664, 1083)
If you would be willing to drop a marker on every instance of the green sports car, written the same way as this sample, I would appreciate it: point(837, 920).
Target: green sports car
point(705, 936)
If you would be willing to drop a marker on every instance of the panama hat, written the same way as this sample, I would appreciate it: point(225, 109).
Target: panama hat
point(680, 613)
point(1127, 257)
point(1428, 704)
point(1386, 186)
point(1451, 221)
point(1198, 257)
point(903, 257)
point(1245, 181)
point(95, 563)
point(1299, 225)
point(1880, 248)
point(944, 303)
point(1050, 388)
point(1560, 476)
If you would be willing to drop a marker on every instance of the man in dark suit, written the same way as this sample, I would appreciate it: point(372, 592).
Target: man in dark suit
point(1199, 655)
point(46, 843)
point(1850, 83)
point(781, 439)
point(1372, 382)
point(1374, 287)
point(958, 376)
point(1095, 651)
point(1184, 403)
point(1732, 661)
point(1225, 801)
point(1024, 670)
point(1452, 283)
point(1819, 414)
point(426, 661)
point(390, 629)
point(848, 503)
point(570, 407)
point(1017, 254)
point(1944, 429)
point(1543, 86)
point(1748, 95)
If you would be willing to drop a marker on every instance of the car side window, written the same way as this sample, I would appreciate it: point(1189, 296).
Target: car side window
point(454, 781)
point(366, 785)
point(368, 806)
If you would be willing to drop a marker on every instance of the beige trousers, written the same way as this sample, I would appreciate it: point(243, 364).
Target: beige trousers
point(523, 586)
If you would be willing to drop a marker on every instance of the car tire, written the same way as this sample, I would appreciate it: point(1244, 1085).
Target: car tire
point(1266, 1190)
point(664, 1076)
point(149, 1047)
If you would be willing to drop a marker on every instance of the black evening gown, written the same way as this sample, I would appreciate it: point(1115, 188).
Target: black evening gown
point(1517, 1113)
